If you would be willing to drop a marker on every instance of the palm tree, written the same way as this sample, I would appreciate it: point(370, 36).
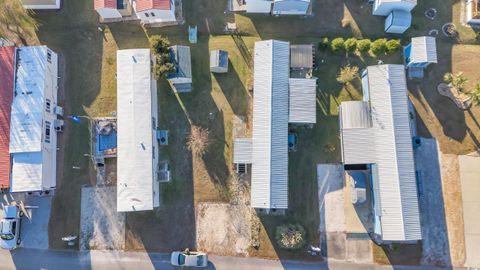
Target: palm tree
point(475, 95)
point(347, 74)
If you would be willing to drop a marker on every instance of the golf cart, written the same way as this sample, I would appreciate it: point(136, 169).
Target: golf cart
point(10, 227)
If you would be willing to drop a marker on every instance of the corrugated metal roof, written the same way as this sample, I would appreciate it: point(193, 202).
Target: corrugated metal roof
point(390, 147)
point(142, 5)
point(302, 101)
point(134, 131)
point(424, 49)
point(105, 4)
point(7, 69)
point(27, 172)
point(301, 56)
point(355, 114)
point(242, 151)
point(182, 60)
point(270, 125)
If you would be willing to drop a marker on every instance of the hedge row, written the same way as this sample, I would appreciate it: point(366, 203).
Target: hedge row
point(377, 47)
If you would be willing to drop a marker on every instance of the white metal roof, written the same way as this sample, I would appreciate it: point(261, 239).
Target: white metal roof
point(28, 101)
point(389, 143)
point(27, 170)
point(242, 151)
point(424, 49)
point(355, 114)
point(270, 125)
point(302, 101)
point(134, 131)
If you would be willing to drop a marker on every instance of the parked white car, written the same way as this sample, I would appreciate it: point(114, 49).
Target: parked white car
point(189, 258)
point(10, 227)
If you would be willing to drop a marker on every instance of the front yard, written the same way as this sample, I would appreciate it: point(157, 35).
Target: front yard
point(90, 57)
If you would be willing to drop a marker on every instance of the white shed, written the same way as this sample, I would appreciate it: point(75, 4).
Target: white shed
point(290, 7)
point(259, 6)
point(302, 105)
point(41, 4)
point(107, 9)
point(398, 22)
point(385, 7)
point(219, 61)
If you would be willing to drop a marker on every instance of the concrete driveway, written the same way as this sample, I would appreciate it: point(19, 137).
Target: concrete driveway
point(470, 178)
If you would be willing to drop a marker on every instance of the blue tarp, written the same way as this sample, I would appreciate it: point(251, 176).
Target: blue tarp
point(105, 142)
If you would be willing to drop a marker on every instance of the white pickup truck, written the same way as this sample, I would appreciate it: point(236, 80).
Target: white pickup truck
point(10, 227)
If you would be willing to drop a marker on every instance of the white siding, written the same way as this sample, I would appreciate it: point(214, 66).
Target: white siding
point(259, 6)
point(290, 7)
point(385, 7)
point(136, 178)
point(270, 125)
point(303, 101)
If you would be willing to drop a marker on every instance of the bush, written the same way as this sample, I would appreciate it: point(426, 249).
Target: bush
point(160, 49)
point(363, 45)
point(378, 46)
point(393, 46)
point(323, 44)
point(338, 45)
point(351, 44)
point(290, 236)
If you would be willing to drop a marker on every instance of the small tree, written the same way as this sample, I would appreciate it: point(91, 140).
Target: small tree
point(197, 141)
point(378, 46)
point(393, 46)
point(458, 80)
point(323, 44)
point(475, 95)
point(338, 45)
point(350, 45)
point(363, 45)
point(347, 74)
point(159, 44)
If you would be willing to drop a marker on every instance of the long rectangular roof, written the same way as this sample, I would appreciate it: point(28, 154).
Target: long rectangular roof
point(134, 129)
point(7, 69)
point(389, 142)
point(270, 125)
point(27, 106)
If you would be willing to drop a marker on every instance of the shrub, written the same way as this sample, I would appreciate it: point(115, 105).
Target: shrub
point(323, 44)
point(350, 44)
point(378, 46)
point(160, 49)
point(198, 141)
point(338, 45)
point(458, 80)
point(475, 95)
point(363, 45)
point(347, 74)
point(393, 46)
point(290, 236)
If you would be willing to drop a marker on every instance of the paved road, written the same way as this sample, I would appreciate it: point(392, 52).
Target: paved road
point(32, 259)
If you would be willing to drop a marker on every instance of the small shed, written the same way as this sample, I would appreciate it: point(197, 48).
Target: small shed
point(421, 52)
point(219, 61)
point(181, 78)
point(108, 9)
point(302, 108)
point(398, 22)
point(301, 56)
point(242, 151)
point(291, 7)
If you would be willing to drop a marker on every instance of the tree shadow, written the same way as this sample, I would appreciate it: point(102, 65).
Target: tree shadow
point(234, 90)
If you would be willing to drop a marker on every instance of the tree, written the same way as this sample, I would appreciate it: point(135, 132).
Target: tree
point(291, 236)
point(198, 141)
point(457, 81)
point(338, 44)
point(159, 44)
point(475, 95)
point(363, 45)
point(347, 74)
point(378, 46)
point(350, 45)
point(323, 44)
point(393, 46)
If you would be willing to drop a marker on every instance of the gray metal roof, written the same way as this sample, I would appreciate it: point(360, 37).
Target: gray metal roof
point(389, 145)
point(270, 125)
point(180, 56)
point(301, 56)
point(242, 151)
point(424, 49)
point(302, 101)
point(355, 114)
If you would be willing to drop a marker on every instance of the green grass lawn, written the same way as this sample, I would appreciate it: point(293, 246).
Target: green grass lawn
point(90, 57)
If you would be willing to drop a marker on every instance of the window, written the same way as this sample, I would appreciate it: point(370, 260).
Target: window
point(153, 152)
point(49, 56)
point(153, 14)
point(146, 14)
point(47, 131)
point(154, 123)
point(47, 105)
